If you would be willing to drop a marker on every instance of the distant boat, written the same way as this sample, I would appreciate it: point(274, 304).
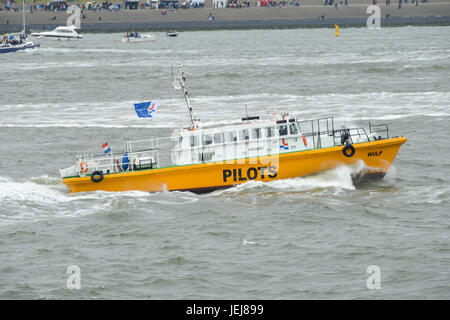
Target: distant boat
point(137, 37)
point(61, 32)
point(9, 43)
point(171, 33)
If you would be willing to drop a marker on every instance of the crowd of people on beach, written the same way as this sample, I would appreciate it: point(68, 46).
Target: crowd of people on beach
point(374, 2)
point(54, 6)
point(171, 5)
point(59, 5)
point(335, 3)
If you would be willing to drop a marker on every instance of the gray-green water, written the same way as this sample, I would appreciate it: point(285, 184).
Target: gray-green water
point(304, 238)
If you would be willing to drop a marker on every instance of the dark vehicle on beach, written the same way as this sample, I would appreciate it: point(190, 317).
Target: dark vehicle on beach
point(131, 4)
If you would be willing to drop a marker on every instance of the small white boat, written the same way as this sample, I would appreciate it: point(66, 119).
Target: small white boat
point(137, 37)
point(61, 32)
point(171, 33)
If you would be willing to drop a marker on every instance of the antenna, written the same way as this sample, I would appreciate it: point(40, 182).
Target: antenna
point(181, 79)
point(23, 9)
point(246, 111)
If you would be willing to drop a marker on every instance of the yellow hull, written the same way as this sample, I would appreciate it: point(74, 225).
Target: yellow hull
point(377, 155)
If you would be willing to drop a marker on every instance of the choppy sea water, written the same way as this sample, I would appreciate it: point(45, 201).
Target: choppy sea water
point(304, 238)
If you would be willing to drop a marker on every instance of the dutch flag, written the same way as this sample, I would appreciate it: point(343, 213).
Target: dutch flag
point(106, 148)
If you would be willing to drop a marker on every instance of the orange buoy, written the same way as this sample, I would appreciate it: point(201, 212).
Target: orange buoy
point(337, 30)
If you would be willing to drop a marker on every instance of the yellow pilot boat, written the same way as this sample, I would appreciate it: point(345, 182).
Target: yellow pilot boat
point(207, 158)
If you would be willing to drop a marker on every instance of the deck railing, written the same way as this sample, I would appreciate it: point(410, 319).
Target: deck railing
point(144, 154)
point(133, 159)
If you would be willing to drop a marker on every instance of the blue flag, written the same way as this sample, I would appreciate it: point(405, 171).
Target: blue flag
point(146, 109)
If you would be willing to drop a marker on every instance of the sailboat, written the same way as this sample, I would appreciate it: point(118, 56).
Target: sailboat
point(9, 43)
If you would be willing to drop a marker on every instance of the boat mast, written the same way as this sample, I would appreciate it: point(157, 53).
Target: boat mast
point(23, 10)
point(182, 79)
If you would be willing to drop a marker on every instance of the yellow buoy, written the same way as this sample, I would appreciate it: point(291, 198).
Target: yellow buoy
point(337, 30)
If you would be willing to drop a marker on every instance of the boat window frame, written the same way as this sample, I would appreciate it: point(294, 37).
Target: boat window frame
point(279, 129)
point(272, 130)
point(194, 138)
point(211, 137)
point(242, 136)
point(234, 137)
point(177, 142)
point(296, 128)
point(221, 135)
point(258, 136)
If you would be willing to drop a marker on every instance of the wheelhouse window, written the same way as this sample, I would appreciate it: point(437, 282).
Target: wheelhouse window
point(195, 141)
point(230, 136)
point(176, 142)
point(243, 134)
point(256, 133)
point(293, 128)
point(218, 138)
point(270, 132)
point(283, 130)
point(207, 139)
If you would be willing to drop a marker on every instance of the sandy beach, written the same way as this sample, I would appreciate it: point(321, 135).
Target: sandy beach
point(308, 14)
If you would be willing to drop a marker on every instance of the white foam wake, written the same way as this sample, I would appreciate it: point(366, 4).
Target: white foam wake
point(42, 189)
point(383, 106)
point(338, 178)
point(42, 198)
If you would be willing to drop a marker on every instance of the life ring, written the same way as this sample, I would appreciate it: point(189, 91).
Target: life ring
point(98, 174)
point(352, 152)
point(304, 140)
point(83, 167)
